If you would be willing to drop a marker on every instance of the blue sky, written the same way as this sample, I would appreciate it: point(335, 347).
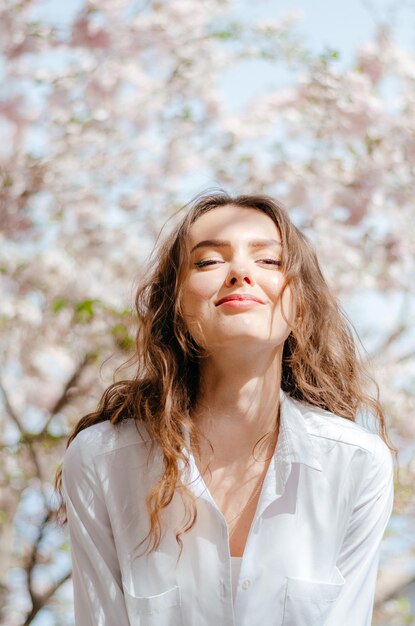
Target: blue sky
point(340, 25)
point(337, 25)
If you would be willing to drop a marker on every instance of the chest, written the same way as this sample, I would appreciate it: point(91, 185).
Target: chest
point(237, 494)
point(239, 529)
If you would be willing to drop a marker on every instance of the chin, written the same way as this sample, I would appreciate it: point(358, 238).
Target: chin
point(237, 340)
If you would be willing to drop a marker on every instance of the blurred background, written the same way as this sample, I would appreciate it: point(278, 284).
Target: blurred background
point(115, 113)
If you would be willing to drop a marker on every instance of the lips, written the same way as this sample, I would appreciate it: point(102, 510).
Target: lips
point(239, 297)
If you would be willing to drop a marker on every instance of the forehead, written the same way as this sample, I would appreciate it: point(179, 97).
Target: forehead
point(230, 221)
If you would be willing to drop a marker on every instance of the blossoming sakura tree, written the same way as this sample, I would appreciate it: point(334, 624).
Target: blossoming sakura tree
point(111, 117)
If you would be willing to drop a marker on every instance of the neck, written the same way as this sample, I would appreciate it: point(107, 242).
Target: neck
point(239, 398)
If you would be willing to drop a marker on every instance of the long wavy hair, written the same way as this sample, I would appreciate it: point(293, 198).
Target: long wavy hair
point(320, 362)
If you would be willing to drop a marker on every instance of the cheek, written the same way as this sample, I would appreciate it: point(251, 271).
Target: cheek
point(197, 295)
point(282, 302)
point(199, 288)
point(287, 304)
point(274, 286)
point(276, 282)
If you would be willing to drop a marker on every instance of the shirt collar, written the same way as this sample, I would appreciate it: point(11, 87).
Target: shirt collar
point(294, 445)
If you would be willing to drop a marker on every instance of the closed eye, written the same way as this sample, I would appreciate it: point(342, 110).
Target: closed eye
point(208, 262)
point(271, 262)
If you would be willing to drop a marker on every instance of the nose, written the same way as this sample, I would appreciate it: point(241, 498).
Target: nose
point(238, 275)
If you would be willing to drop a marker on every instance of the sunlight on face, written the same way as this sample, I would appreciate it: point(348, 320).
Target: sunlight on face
point(232, 292)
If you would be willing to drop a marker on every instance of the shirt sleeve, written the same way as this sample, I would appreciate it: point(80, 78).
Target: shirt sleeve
point(359, 555)
point(98, 596)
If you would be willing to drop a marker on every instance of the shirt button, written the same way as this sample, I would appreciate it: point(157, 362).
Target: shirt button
point(245, 584)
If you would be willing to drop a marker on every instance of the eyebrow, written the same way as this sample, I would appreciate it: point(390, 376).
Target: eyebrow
point(221, 243)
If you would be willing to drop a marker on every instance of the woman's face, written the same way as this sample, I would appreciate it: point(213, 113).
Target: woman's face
point(231, 295)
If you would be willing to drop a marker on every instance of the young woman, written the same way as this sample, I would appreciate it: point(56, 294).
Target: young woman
point(228, 483)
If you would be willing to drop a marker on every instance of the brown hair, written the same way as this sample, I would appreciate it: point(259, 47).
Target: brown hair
point(320, 363)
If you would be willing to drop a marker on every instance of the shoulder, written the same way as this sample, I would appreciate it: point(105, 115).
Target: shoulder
point(104, 438)
point(105, 454)
point(325, 426)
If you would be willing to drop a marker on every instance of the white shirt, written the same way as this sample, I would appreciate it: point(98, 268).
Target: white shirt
point(311, 557)
point(236, 562)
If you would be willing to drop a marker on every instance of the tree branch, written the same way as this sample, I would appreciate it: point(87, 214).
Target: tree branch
point(395, 590)
point(389, 340)
point(10, 410)
point(40, 601)
point(63, 398)
point(16, 419)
